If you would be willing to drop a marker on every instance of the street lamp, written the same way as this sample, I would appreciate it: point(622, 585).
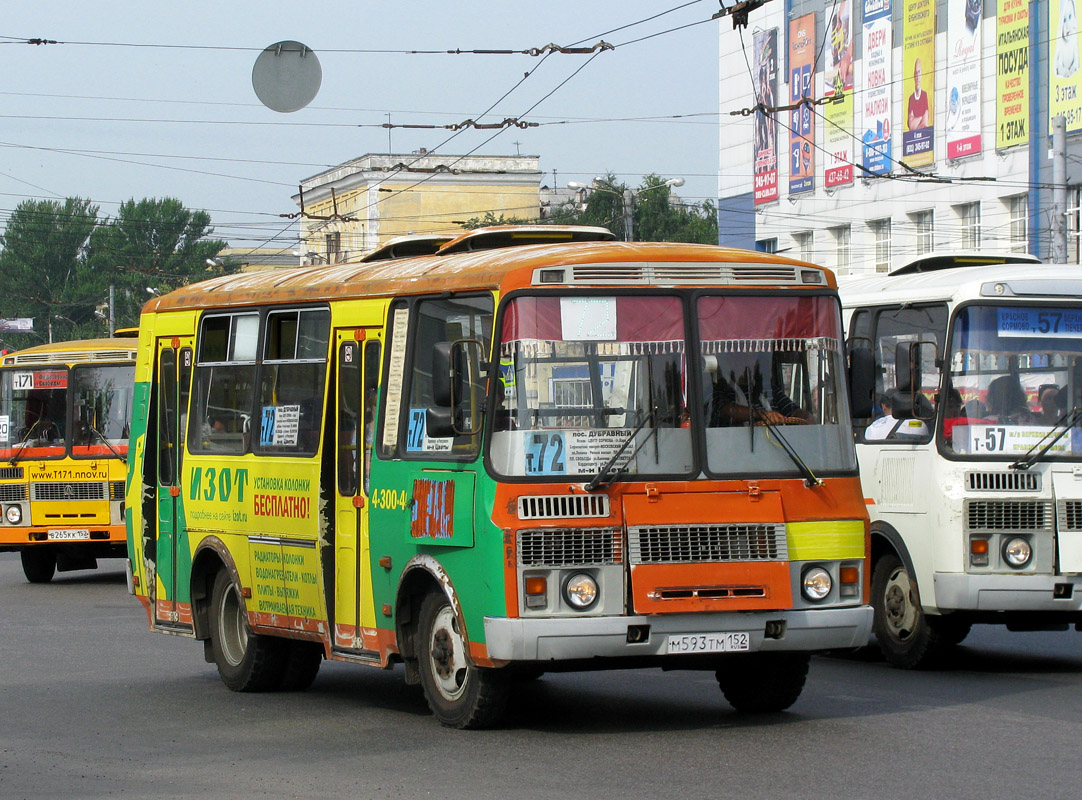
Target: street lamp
point(627, 199)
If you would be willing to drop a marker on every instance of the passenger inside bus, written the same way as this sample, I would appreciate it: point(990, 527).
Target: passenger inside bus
point(1006, 401)
point(39, 423)
point(1053, 402)
point(733, 402)
point(890, 427)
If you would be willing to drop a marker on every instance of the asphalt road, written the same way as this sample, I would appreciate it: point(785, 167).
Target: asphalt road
point(93, 705)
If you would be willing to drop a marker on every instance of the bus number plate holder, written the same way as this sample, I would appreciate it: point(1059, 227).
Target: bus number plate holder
point(55, 536)
point(709, 642)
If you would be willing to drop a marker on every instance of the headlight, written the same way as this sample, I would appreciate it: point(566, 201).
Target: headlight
point(580, 591)
point(815, 584)
point(1017, 552)
point(14, 515)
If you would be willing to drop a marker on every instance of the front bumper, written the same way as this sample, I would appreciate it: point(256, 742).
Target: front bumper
point(568, 638)
point(961, 592)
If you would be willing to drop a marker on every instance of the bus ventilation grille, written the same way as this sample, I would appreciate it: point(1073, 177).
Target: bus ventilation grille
point(1069, 515)
point(116, 490)
point(1014, 481)
point(563, 506)
point(683, 544)
point(12, 492)
point(11, 473)
point(1009, 515)
point(661, 273)
point(68, 491)
point(73, 357)
point(569, 547)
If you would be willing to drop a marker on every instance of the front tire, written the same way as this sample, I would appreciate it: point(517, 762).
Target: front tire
point(39, 564)
point(907, 638)
point(759, 683)
point(460, 695)
point(247, 662)
point(302, 662)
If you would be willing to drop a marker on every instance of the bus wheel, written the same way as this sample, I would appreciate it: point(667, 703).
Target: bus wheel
point(302, 662)
point(902, 631)
point(459, 694)
point(763, 682)
point(246, 661)
point(39, 564)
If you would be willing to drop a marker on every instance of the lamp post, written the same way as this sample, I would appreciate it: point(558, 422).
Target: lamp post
point(627, 199)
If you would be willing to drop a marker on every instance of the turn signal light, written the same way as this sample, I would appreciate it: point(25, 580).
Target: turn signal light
point(978, 552)
point(849, 582)
point(537, 587)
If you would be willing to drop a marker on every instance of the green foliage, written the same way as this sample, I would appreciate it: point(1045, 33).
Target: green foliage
point(59, 261)
point(490, 219)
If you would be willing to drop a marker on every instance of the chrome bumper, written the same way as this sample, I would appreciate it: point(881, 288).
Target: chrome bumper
point(568, 638)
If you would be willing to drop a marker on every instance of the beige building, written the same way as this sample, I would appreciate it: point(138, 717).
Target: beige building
point(360, 205)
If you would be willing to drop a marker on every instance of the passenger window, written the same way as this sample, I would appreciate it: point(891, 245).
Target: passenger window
point(220, 418)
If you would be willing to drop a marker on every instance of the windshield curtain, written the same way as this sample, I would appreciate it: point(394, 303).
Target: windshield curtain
point(101, 409)
point(582, 377)
point(33, 412)
point(773, 359)
point(1014, 372)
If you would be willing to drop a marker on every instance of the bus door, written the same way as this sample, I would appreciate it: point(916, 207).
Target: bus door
point(172, 604)
point(353, 616)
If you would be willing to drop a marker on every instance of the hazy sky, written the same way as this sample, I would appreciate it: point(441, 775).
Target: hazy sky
point(99, 117)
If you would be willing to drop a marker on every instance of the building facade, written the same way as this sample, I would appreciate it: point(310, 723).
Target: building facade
point(360, 205)
point(859, 134)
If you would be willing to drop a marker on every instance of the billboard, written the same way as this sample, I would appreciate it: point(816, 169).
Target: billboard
point(918, 59)
point(1012, 73)
point(801, 120)
point(1064, 73)
point(765, 140)
point(963, 123)
point(838, 80)
point(877, 95)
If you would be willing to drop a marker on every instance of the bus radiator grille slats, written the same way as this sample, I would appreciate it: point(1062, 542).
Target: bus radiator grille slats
point(12, 493)
point(684, 544)
point(1016, 481)
point(96, 490)
point(711, 273)
point(116, 490)
point(11, 473)
point(563, 506)
point(1069, 515)
point(569, 547)
point(1009, 515)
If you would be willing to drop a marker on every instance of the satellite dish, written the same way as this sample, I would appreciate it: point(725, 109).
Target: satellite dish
point(286, 76)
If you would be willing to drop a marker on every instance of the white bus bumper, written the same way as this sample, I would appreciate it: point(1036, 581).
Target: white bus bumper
point(568, 638)
point(959, 592)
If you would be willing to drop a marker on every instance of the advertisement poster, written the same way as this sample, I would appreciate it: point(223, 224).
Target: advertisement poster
point(765, 147)
point(1064, 74)
point(963, 124)
point(801, 120)
point(838, 79)
point(877, 96)
point(1012, 73)
point(918, 83)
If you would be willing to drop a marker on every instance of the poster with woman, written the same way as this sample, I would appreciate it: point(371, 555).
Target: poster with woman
point(765, 137)
point(963, 123)
point(1064, 73)
point(838, 80)
point(918, 85)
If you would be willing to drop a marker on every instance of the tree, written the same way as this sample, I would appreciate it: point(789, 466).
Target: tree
point(44, 246)
point(154, 244)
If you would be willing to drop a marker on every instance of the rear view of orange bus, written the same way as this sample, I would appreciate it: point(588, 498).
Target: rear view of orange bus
point(532, 450)
point(65, 410)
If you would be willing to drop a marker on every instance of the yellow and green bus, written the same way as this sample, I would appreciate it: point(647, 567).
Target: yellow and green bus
point(65, 411)
point(534, 450)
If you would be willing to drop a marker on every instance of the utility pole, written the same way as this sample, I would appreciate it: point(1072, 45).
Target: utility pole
point(1059, 189)
point(112, 311)
point(628, 198)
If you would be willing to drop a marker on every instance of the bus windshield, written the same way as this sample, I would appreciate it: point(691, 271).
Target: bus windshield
point(590, 384)
point(33, 412)
point(101, 408)
point(1015, 371)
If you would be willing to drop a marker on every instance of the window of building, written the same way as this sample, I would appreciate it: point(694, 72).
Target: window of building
point(803, 242)
point(842, 248)
point(969, 217)
point(767, 245)
point(924, 226)
point(881, 232)
point(334, 247)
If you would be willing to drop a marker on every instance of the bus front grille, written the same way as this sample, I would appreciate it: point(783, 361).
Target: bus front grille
point(563, 506)
point(569, 547)
point(1016, 481)
point(116, 490)
point(96, 490)
point(684, 544)
point(1069, 515)
point(1008, 515)
point(12, 492)
point(11, 473)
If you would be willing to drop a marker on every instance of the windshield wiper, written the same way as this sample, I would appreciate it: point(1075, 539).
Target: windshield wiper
point(26, 438)
point(810, 479)
point(108, 444)
point(1068, 421)
point(606, 474)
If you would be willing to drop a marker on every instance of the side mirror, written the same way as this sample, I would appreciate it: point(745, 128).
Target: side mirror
point(861, 382)
point(456, 381)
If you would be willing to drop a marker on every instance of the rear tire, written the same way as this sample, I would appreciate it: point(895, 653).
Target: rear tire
point(247, 662)
point(759, 683)
point(39, 564)
point(460, 694)
point(302, 663)
point(907, 638)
